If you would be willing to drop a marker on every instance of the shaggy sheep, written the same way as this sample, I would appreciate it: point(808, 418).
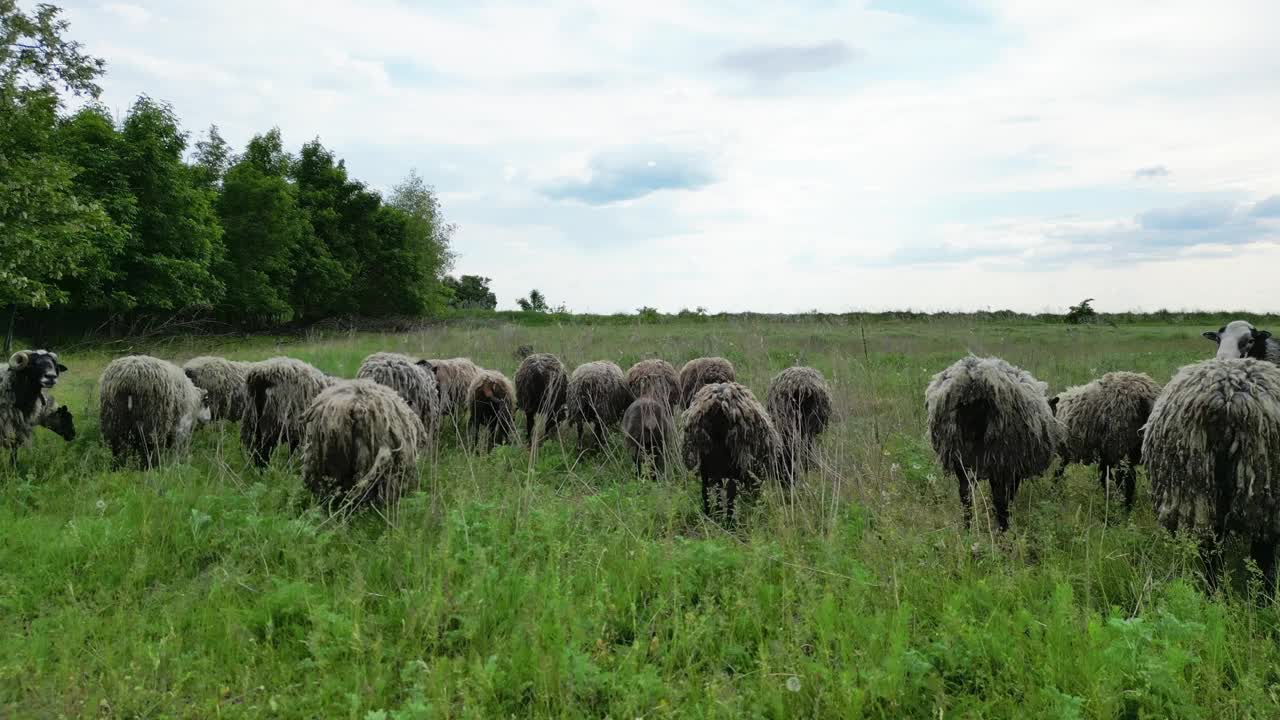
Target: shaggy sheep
point(415, 383)
point(1102, 423)
point(279, 390)
point(799, 402)
point(148, 407)
point(24, 404)
point(1240, 339)
point(224, 381)
point(360, 445)
point(989, 419)
point(453, 378)
point(491, 403)
point(598, 396)
point(1212, 450)
point(655, 378)
point(730, 441)
point(541, 389)
point(703, 371)
point(649, 429)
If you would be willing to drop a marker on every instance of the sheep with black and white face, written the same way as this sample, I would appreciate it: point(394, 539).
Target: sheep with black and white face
point(25, 402)
point(1240, 339)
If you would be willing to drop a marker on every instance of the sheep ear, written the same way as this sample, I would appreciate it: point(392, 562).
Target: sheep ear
point(1210, 335)
point(20, 360)
point(1053, 403)
point(61, 368)
point(1261, 334)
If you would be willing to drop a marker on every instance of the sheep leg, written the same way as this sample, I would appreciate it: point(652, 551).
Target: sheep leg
point(730, 501)
point(13, 457)
point(529, 420)
point(1129, 478)
point(579, 424)
point(1263, 552)
point(1061, 471)
point(1001, 494)
point(1104, 476)
point(659, 463)
point(599, 432)
point(706, 494)
point(966, 498)
point(1211, 556)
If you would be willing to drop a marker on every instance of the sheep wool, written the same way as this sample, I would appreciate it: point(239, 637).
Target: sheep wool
point(598, 396)
point(1102, 423)
point(989, 419)
point(225, 382)
point(799, 402)
point(24, 401)
point(279, 391)
point(1212, 451)
point(655, 378)
point(491, 405)
point(541, 389)
point(730, 441)
point(148, 406)
point(648, 430)
point(361, 446)
point(454, 378)
point(413, 382)
point(703, 371)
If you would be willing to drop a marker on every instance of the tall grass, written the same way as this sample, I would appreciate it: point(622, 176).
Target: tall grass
point(560, 585)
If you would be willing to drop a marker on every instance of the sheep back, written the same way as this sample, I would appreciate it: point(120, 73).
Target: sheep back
point(799, 401)
point(648, 425)
point(541, 384)
point(598, 390)
point(1102, 420)
point(727, 425)
point(279, 391)
point(655, 378)
point(414, 383)
point(224, 380)
point(703, 371)
point(147, 402)
point(454, 376)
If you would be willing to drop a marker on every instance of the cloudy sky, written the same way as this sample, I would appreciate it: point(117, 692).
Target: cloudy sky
point(924, 154)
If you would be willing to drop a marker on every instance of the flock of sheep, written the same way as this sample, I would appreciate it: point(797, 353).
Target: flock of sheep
point(360, 439)
point(1210, 439)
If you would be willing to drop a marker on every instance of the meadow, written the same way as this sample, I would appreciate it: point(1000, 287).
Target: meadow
point(559, 585)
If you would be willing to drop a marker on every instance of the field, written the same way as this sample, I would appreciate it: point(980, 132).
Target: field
point(566, 587)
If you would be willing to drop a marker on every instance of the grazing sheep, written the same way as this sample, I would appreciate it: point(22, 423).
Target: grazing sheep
point(224, 381)
point(598, 396)
point(1212, 450)
point(989, 419)
point(1102, 423)
point(730, 441)
point(148, 406)
point(649, 428)
point(360, 445)
point(541, 388)
point(799, 402)
point(453, 377)
point(279, 390)
point(1240, 339)
point(415, 383)
point(702, 371)
point(24, 403)
point(491, 403)
point(655, 378)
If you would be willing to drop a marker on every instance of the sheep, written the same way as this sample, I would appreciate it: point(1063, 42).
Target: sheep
point(1240, 339)
point(703, 371)
point(24, 404)
point(655, 378)
point(224, 380)
point(1102, 423)
point(730, 441)
point(361, 442)
point(490, 400)
point(648, 429)
point(415, 383)
point(989, 419)
point(1212, 451)
point(148, 406)
point(799, 402)
point(541, 388)
point(453, 378)
point(598, 396)
point(279, 391)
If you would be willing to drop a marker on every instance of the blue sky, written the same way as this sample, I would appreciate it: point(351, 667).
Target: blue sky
point(924, 154)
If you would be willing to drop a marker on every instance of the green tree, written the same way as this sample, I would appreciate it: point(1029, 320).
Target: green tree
point(470, 292)
point(428, 236)
point(536, 302)
point(213, 158)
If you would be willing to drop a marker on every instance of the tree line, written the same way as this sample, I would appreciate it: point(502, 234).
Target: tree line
point(103, 217)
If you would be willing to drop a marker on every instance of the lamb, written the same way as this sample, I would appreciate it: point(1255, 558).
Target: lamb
point(225, 382)
point(799, 402)
point(415, 383)
point(649, 428)
point(598, 396)
point(1240, 339)
point(1102, 423)
point(490, 399)
point(989, 419)
point(655, 378)
point(453, 378)
point(24, 404)
point(361, 442)
point(1213, 458)
point(279, 391)
point(148, 406)
point(730, 441)
point(703, 371)
point(541, 388)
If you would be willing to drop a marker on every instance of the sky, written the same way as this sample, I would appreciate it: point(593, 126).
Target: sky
point(772, 157)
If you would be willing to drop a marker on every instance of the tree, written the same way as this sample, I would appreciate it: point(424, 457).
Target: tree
point(429, 236)
point(213, 158)
point(1082, 313)
point(536, 302)
point(471, 292)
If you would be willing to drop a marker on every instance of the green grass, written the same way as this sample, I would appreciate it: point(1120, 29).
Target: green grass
point(562, 586)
